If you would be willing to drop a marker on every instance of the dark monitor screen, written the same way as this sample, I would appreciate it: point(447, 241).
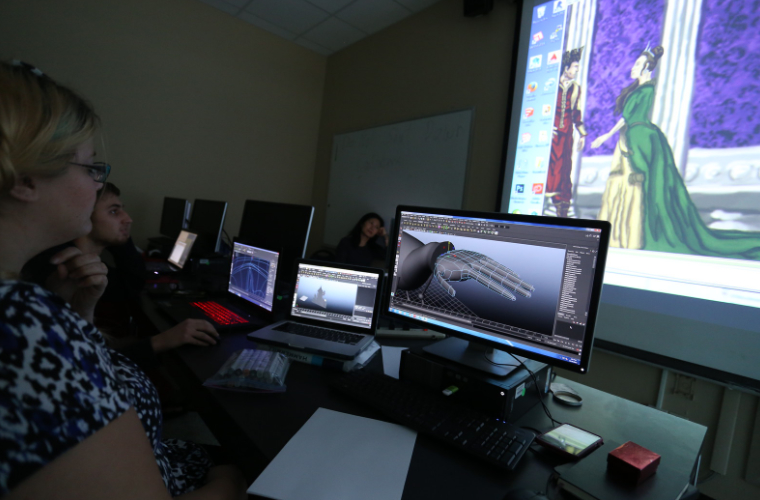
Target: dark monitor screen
point(282, 226)
point(527, 285)
point(174, 216)
point(207, 222)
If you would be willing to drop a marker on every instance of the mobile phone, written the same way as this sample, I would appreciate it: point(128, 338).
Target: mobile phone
point(570, 441)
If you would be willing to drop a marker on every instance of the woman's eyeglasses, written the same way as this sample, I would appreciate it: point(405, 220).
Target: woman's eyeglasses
point(98, 171)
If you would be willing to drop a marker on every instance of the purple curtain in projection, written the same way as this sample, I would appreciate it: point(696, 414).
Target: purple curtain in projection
point(726, 103)
point(621, 32)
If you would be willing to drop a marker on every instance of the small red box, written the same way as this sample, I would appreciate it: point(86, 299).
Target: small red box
point(632, 463)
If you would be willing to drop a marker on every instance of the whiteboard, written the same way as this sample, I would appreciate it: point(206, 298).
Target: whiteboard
point(418, 162)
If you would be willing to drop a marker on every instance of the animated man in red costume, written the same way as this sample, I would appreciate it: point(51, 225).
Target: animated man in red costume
point(567, 119)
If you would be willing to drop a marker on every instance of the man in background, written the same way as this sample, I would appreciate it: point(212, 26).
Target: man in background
point(119, 306)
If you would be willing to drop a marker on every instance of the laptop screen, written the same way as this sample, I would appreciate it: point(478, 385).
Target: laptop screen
point(252, 274)
point(335, 295)
point(182, 248)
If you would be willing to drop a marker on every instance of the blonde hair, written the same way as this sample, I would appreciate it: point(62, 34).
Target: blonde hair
point(41, 123)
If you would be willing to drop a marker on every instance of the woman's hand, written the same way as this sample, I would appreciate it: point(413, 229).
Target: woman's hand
point(80, 280)
point(599, 141)
point(191, 331)
point(384, 234)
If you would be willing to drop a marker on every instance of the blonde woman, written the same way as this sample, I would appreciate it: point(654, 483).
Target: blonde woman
point(77, 419)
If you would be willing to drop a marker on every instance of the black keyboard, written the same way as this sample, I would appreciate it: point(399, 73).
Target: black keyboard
point(427, 412)
point(320, 333)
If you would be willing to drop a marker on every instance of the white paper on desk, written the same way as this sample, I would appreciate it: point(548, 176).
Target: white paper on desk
point(392, 360)
point(338, 456)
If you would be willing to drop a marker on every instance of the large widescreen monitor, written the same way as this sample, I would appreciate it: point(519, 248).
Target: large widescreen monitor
point(527, 285)
point(646, 116)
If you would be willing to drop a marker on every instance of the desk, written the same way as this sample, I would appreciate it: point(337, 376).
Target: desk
point(264, 423)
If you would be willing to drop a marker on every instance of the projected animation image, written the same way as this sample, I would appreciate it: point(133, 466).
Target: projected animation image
point(325, 296)
point(567, 120)
point(652, 108)
point(468, 278)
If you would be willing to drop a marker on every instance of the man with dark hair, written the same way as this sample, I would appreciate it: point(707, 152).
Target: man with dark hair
point(567, 118)
point(111, 226)
point(119, 305)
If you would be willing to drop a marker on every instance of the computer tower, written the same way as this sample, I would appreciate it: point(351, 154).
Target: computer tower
point(506, 398)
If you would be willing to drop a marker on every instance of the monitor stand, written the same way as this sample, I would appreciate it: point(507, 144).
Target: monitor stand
point(475, 356)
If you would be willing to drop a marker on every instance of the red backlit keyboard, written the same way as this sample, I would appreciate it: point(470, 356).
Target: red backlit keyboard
point(218, 313)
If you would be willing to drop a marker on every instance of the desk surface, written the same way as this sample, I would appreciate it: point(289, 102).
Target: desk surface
point(268, 421)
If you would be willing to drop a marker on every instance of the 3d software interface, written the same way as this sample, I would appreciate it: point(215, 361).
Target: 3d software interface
point(335, 295)
point(252, 274)
point(518, 284)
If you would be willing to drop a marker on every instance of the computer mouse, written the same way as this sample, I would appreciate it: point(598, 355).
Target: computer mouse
point(524, 494)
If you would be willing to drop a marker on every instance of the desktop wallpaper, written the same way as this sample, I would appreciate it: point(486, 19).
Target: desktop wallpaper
point(540, 267)
point(335, 297)
point(682, 174)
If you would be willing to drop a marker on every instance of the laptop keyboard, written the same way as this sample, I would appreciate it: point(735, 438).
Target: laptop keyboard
point(218, 313)
point(320, 333)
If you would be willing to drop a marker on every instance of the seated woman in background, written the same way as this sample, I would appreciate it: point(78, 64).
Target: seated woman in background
point(78, 419)
point(361, 247)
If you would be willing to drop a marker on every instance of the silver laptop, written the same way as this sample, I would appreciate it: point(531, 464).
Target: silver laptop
point(177, 259)
point(333, 312)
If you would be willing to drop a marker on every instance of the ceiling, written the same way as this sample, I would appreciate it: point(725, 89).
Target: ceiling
point(324, 26)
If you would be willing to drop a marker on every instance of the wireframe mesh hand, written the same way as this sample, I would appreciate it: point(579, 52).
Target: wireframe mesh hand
point(463, 265)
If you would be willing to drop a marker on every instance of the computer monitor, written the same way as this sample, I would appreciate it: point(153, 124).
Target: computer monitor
point(499, 283)
point(182, 248)
point(174, 216)
point(207, 222)
point(253, 272)
point(283, 226)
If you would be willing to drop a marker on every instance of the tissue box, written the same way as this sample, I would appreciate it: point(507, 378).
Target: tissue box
point(632, 463)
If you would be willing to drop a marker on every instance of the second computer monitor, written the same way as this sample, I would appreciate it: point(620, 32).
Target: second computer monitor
point(174, 215)
point(281, 226)
point(207, 222)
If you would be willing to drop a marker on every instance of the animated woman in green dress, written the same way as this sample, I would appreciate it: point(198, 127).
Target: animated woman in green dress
point(645, 198)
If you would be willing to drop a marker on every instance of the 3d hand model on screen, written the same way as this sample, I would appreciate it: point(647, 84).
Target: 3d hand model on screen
point(448, 264)
point(462, 265)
